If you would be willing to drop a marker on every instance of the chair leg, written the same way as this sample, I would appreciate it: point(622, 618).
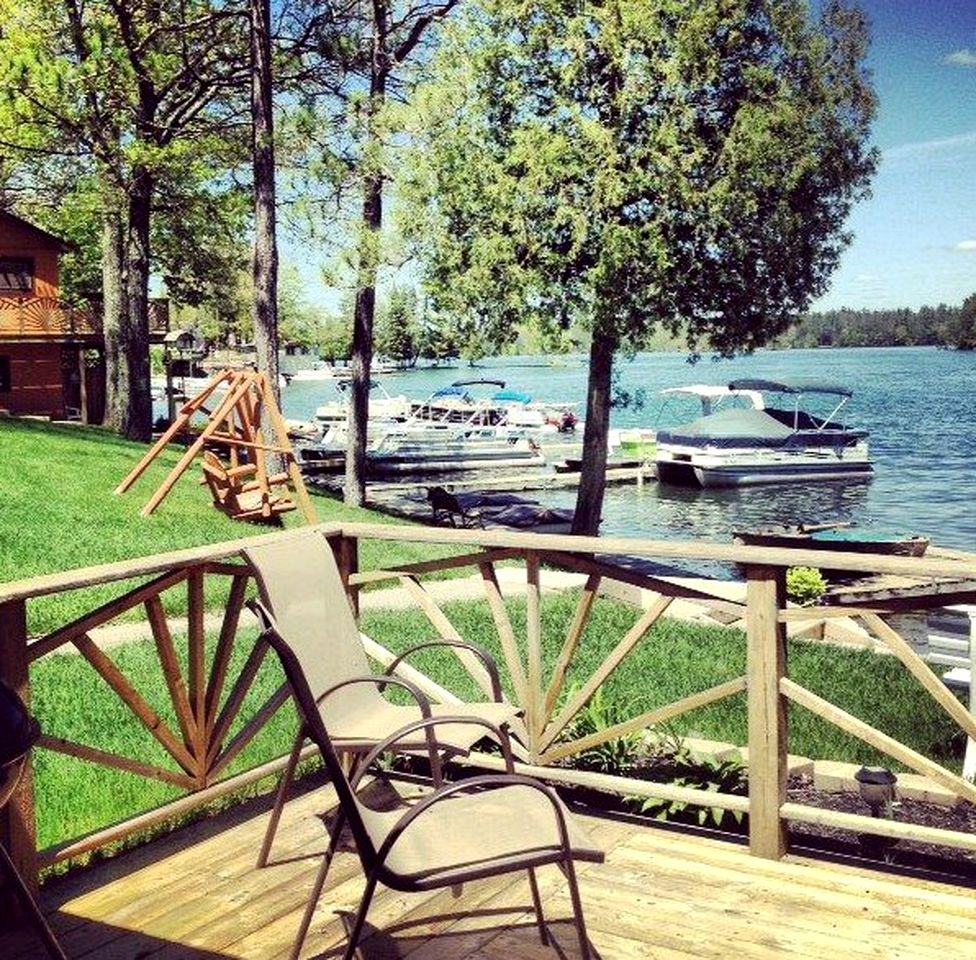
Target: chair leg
point(540, 918)
point(313, 897)
point(360, 917)
point(570, 871)
point(280, 798)
point(29, 904)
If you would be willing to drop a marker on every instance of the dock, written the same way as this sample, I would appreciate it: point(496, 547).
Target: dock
point(525, 480)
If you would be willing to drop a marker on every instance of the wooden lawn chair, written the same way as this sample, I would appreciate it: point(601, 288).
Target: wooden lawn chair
point(303, 601)
point(481, 827)
point(240, 497)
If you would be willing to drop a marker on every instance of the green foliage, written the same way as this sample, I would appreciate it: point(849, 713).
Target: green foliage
point(618, 754)
point(805, 585)
point(700, 773)
point(638, 163)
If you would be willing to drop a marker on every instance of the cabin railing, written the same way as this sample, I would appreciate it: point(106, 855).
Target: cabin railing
point(212, 717)
point(45, 316)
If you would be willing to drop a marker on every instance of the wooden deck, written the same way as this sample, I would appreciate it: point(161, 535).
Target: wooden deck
point(662, 895)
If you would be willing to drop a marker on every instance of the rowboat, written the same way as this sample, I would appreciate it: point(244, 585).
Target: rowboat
point(835, 537)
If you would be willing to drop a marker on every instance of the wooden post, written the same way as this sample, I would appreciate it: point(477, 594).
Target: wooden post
point(534, 719)
point(347, 556)
point(82, 385)
point(969, 762)
point(18, 829)
point(768, 733)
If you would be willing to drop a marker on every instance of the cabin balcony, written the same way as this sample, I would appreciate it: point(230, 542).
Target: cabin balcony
point(664, 891)
point(45, 317)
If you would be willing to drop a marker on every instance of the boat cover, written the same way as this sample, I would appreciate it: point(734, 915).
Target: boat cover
point(751, 428)
point(797, 385)
point(511, 396)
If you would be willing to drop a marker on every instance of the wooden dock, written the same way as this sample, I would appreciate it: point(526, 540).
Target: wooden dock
point(661, 895)
point(526, 480)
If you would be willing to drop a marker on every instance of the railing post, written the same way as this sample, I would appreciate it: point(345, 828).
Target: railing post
point(348, 559)
point(18, 831)
point(768, 734)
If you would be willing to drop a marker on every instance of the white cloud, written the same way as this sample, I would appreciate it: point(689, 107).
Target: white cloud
point(916, 151)
point(965, 246)
point(962, 58)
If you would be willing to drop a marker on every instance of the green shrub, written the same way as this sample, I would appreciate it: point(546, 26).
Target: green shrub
point(805, 585)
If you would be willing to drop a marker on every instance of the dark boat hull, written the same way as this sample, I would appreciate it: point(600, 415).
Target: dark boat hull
point(899, 546)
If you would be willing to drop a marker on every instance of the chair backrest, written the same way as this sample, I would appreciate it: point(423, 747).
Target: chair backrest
point(296, 673)
point(299, 583)
point(219, 483)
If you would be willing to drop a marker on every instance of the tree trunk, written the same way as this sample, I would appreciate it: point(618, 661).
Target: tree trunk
point(265, 265)
point(362, 331)
point(133, 342)
point(113, 317)
point(593, 479)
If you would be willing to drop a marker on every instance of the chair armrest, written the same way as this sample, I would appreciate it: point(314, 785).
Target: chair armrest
point(486, 782)
point(423, 701)
point(429, 722)
point(487, 660)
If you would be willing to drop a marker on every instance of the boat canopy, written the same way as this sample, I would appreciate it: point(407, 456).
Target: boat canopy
point(479, 383)
point(751, 428)
point(454, 390)
point(799, 385)
point(512, 396)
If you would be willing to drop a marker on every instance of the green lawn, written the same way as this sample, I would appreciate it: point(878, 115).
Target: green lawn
point(58, 512)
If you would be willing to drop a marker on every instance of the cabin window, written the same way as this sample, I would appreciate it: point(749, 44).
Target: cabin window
point(4, 374)
point(16, 275)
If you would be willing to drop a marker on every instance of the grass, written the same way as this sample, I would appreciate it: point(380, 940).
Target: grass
point(58, 512)
point(677, 659)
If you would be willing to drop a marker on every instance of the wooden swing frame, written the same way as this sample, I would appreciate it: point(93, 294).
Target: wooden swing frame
point(235, 422)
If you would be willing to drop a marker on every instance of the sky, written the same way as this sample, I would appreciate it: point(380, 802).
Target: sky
point(915, 237)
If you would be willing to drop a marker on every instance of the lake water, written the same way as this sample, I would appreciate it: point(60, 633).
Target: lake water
point(919, 405)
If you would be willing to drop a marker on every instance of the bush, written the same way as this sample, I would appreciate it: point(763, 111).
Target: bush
point(805, 585)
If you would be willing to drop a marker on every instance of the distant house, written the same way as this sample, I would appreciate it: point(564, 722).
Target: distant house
point(51, 356)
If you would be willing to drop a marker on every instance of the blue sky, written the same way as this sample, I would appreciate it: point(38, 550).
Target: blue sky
point(915, 238)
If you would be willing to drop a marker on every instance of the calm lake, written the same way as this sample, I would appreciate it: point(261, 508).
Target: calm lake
point(919, 405)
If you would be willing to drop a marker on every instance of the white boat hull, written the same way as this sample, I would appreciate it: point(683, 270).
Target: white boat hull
point(744, 467)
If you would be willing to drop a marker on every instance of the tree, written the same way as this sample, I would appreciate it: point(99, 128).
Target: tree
point(355, 53)
point(398, 328)
point(633, 163)
point(146, 95)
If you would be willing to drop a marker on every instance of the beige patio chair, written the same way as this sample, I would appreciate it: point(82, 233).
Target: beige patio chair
point(481, 827)
point(303, 600)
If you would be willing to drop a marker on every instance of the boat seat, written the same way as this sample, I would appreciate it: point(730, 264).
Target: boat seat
point(242, 498)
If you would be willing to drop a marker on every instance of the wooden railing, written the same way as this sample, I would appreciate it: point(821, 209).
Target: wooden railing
point(45, 316)
point(208, 702)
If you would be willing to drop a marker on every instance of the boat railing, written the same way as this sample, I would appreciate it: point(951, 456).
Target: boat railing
point(210, 658)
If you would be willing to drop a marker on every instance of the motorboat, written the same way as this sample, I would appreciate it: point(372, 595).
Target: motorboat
point(766, 444)
point(382, 407)
point(475, 448)
point(640, 443)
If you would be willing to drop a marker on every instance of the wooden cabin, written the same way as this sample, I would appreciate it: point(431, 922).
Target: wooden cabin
point(51, 356)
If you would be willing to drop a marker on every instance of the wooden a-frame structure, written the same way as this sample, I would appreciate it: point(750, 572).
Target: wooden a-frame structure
point(234, 422)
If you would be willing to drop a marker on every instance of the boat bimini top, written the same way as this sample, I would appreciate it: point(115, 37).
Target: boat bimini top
point(797, 418)
point(712, 396)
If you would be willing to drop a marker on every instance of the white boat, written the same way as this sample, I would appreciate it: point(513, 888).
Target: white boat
point(763, 444)
point(382, 406)
point(412, 452)
point(320, 370)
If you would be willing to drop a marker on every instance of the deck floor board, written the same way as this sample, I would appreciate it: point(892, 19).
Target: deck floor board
point(661, 895)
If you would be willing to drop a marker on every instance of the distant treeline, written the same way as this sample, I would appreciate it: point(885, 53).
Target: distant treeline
point(943, 326)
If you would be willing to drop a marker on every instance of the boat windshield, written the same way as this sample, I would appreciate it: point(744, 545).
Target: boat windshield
point(681, 404)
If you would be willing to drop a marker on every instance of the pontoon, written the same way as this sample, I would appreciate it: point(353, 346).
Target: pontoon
point(767, 444)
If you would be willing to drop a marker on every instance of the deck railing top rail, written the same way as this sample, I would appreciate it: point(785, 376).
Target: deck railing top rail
point(961, 568)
